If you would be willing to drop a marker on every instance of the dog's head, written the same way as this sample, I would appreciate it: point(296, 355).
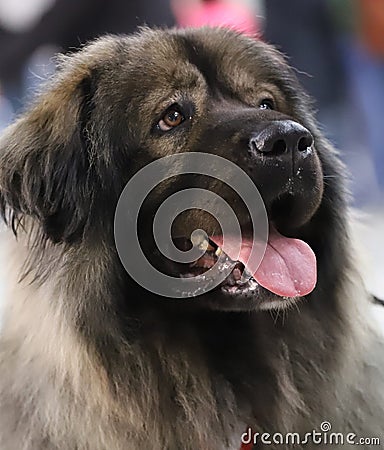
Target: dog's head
point(123, 102)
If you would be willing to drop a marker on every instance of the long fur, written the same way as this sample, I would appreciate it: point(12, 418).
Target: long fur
point(88, 361)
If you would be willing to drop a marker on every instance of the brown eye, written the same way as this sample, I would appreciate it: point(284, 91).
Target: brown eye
point(266, 103)
point(171, 119)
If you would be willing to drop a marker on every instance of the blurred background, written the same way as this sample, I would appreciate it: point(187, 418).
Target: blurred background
point(337, 47)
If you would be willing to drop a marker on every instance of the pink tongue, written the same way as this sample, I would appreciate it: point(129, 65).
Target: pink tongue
point(288, 268)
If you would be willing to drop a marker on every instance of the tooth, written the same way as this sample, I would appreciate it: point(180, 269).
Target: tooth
point(199, 240)
point(218, 251)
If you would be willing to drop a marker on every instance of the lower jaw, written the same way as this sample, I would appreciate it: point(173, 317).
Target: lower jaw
point(249, 297)
point(246, 289)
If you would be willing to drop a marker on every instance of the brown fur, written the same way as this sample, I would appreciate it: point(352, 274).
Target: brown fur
point(88, 361)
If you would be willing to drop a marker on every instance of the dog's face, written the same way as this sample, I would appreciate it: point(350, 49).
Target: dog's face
point(122, 103)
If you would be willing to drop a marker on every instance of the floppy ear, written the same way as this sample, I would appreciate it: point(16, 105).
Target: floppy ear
point(46, 167)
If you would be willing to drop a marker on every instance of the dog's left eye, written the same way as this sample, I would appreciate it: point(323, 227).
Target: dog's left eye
point(171, 119)
point(266, 103)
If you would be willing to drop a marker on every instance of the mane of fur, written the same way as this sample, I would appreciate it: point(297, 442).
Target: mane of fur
point(86, 364)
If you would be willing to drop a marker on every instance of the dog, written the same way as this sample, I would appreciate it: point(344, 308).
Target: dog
point(91, 359)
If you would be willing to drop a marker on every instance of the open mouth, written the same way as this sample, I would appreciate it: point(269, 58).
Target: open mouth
point(288, 267)
point(239, 281)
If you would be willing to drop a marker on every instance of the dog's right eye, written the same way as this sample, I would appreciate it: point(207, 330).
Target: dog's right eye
point(266, 103)
point(171, 119)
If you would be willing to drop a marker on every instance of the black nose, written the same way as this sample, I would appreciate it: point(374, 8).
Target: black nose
point(279, 137)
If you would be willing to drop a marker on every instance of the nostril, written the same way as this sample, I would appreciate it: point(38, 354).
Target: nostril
point(304, 143)
point(253, 146)
point(279, 146)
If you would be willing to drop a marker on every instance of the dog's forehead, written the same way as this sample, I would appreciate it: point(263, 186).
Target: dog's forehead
point(178, 58)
